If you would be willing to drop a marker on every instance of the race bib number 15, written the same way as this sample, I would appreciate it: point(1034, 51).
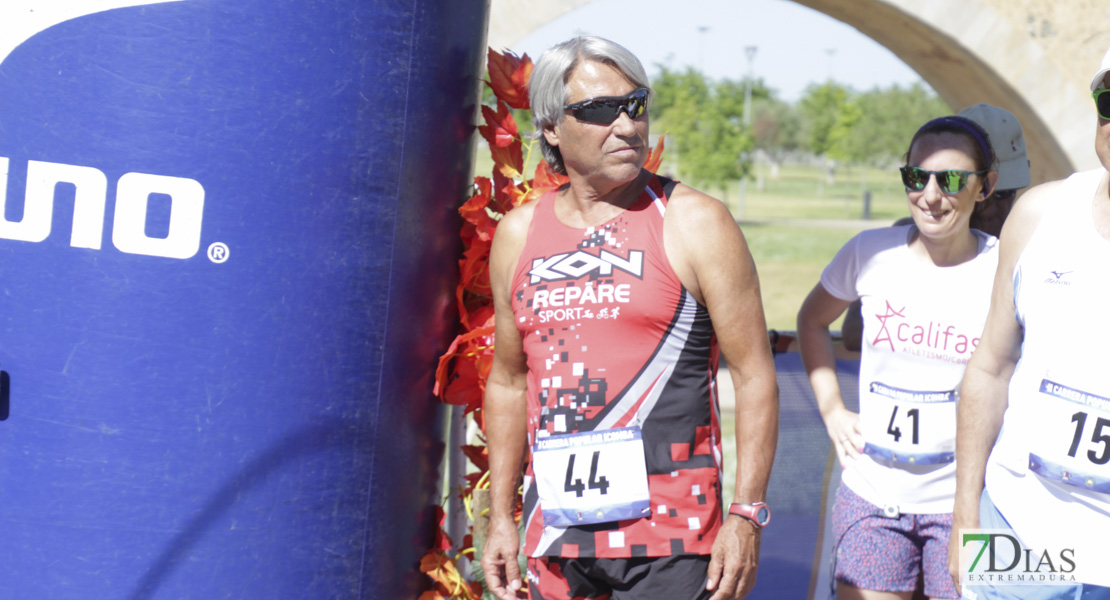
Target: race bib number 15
point(1074, 448)
point(591, 477)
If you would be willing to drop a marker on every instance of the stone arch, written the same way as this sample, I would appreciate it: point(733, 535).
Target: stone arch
point(1032, 57)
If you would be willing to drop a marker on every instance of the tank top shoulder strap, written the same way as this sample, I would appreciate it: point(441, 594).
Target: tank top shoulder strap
point(658, 192)
point(666, 184)
point(543, 213)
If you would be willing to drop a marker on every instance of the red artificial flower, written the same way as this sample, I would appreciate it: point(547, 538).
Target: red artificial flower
point(479, 455)
point(474, 210)
point(508, 77)
point(655, 157)
point(504, 140)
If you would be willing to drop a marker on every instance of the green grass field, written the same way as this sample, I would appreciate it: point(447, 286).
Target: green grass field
point(794, 226)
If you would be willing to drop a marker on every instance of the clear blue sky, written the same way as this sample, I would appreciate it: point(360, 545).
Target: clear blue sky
point(796, 46)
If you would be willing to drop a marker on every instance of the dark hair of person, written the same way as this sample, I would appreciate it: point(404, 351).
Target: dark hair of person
point(980, 142)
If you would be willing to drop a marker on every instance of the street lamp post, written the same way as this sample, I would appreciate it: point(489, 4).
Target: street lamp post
point(750, 52)
point(702, 29)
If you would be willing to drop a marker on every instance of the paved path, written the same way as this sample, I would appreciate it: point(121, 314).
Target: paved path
point(853, 224)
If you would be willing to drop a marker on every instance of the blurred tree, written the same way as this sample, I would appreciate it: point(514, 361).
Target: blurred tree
point(705, 121)
point(712, 145)
point(875, 127)
point(821, 106)
point(777, 127)
point(677, 90)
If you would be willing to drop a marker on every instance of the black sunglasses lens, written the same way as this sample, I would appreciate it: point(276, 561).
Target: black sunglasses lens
point(604, 112)
point(636, 103)
point(914, 178)
point(1102, 101)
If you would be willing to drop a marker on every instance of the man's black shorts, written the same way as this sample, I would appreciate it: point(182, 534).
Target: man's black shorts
point(662, 578)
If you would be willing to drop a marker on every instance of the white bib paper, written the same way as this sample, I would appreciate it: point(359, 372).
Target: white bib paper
point(1075, 446)
point(591, 477)
point(909, 426)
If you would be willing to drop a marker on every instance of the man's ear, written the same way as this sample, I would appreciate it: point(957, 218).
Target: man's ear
point(551, 134)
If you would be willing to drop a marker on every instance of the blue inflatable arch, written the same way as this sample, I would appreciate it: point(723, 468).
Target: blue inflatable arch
point(227, 246)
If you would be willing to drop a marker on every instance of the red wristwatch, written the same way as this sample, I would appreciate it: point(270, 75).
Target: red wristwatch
point(756, 512)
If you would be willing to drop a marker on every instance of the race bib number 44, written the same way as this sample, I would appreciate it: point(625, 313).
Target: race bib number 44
point(591, 477)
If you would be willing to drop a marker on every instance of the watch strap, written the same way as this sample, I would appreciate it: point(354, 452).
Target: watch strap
point(757, 512)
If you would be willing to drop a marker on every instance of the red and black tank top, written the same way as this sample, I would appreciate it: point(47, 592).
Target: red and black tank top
point(613, 339)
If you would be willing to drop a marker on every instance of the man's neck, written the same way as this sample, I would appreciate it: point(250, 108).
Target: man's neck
point(583, 205)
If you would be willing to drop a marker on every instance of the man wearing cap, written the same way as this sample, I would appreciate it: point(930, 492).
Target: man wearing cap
point(1013, 165)
point(614, 297)
point(1033, 434)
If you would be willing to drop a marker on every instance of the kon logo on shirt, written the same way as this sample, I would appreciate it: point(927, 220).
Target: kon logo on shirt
point(580, 264)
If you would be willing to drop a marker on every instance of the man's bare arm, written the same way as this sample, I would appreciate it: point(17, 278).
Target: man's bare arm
point(819, 311)
point(712, 259)
point(984, 393)
point(505, 412)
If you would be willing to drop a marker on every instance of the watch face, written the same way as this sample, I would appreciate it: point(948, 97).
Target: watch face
point(763, 515)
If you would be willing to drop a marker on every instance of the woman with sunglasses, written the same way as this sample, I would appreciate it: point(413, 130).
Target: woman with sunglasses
point(925, 289)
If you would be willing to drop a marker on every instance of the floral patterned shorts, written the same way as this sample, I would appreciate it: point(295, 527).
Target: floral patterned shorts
point(876, 552)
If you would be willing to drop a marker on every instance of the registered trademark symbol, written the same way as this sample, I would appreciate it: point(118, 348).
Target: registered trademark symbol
point(218, 252)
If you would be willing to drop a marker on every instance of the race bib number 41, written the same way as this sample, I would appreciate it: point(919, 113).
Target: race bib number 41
point(591, 477)
point(909, 426)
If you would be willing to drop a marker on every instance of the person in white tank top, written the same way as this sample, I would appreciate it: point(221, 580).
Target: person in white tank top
point(1033, 433)
point(925, 290)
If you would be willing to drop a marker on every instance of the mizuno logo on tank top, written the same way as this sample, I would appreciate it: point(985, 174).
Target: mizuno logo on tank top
point(1058, 278)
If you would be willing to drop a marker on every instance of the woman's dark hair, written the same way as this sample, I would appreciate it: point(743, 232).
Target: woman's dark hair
point(982, 151)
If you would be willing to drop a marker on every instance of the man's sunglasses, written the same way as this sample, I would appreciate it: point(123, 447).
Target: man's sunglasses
point(605, 109)
point(1102, 103)
point(951, 181)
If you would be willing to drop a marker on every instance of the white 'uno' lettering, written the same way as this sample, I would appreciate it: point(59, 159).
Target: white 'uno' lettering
point(38, 205)
point(186, 211)
point(133, 193)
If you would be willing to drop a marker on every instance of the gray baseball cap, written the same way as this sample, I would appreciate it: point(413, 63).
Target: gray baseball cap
point(1007, 141)
point(1097, 81)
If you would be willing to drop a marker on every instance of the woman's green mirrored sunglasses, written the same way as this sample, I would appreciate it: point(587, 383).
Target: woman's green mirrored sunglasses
point(951, 181)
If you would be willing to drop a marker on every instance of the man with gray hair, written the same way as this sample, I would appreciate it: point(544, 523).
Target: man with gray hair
point(1033, 428)
point(614, 297)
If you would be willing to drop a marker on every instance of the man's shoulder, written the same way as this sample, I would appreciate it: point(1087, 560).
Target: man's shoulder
point(515, 223)
point(697, 208)
point(1050, 195)
point(510, 238)
point(1031, 207)
point(1034, 207)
